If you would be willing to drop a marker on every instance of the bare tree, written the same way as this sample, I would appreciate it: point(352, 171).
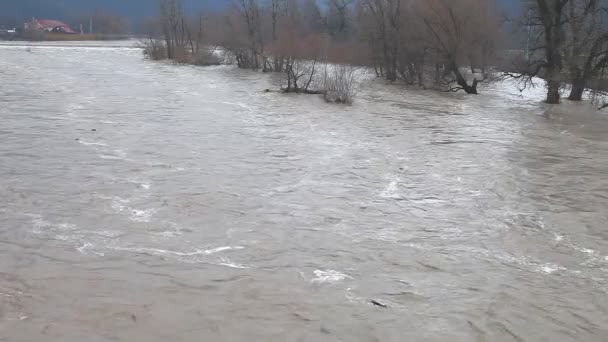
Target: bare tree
point(455, 30)
point(586, 43)
point(277, 7)
point(301, 53)
point(546, 45)
point(338, 18)
point(572, 37)
point(250, 13)
point(383, 20)
point(174, 28)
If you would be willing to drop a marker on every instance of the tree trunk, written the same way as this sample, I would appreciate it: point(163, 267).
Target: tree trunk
point(437, 73)
point(462, 82)
point(553, 91)
point(578, 88)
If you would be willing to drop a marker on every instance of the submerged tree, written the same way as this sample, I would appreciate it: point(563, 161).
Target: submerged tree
point(586, 43)
point(411, 38)
point(568, 43)
point(462, 33)
point(383, 19)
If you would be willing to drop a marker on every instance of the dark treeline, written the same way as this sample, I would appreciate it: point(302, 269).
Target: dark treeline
point(452, 45)
point(102, 22)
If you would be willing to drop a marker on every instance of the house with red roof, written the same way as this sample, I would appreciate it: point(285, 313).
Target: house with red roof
point(48, 25)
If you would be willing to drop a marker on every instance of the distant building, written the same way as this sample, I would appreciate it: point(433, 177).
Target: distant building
point(48, 25)
point(7, 34)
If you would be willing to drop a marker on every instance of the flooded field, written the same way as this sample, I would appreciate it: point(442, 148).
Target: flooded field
point(144, 201)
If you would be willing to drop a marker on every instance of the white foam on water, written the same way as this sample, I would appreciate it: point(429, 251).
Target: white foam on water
point(593, 255)
point(232, 265)
point(110, 157)
point(223, 248)
point(142, 215)
point(118, 155)
point(105, 233)
point(391, 190)
point(66, 226)
point(237, 104)
point(168, 234)
point(40, 225)
point(63, 237)
point(91, 143)
point(87, 246)
point(549, 268)
point(159, 251)
point(118, 204)
point(226, 262)
point(328, 277)
point(427, 200)
point(136, 215)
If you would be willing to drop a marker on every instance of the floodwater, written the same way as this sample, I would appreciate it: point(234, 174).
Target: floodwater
point(143, 201)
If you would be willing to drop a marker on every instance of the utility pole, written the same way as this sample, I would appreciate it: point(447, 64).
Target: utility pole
point(91, 25)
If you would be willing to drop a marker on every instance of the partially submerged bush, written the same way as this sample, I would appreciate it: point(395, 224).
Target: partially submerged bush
point(155, 49)
point(340, 84)
point(299, 75)
point(180, 54)
point(206, 57)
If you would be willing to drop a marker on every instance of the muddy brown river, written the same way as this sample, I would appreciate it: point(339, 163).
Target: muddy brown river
point(144, 201)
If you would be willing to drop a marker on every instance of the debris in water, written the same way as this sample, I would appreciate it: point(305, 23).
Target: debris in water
point(377, 303)
point(94, 130)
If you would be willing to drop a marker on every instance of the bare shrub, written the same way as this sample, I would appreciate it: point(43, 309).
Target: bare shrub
point(340, 84)
point(206, 57)
point(299, 75)
point(155, 49)
point(181, 54)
